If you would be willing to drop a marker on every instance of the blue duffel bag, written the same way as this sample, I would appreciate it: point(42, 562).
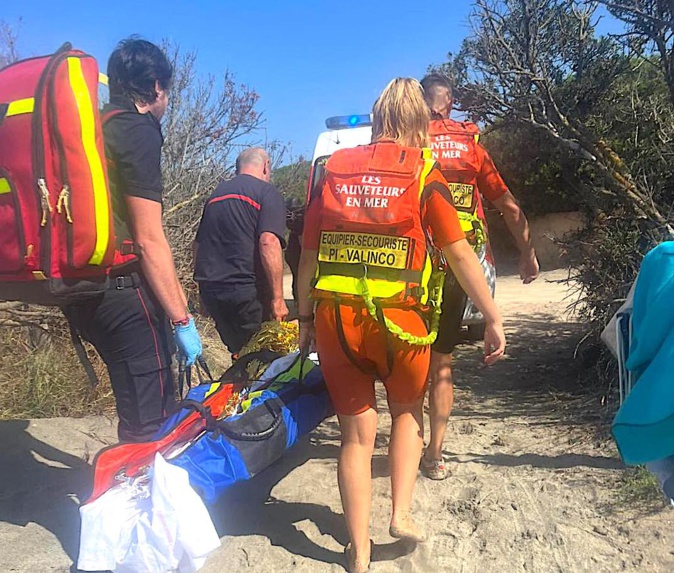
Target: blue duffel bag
point(237, 447)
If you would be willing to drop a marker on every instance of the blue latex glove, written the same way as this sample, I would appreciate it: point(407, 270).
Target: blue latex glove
point(188, 342)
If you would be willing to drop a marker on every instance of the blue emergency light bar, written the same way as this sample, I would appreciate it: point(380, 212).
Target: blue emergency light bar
point(341, 121)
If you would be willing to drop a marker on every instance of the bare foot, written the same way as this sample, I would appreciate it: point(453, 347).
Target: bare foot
point(403, 527)
point(357, 563)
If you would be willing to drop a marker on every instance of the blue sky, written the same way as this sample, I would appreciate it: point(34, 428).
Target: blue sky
point(307, 60)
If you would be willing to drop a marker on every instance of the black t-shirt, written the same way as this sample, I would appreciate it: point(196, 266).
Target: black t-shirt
point(295, 220)
point(295, 224)
point(235, 216)
point(133, 143)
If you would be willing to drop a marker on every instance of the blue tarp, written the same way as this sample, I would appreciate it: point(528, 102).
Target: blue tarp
point(644, 425)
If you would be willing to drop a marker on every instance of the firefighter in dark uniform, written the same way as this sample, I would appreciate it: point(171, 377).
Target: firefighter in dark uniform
point(137, 323)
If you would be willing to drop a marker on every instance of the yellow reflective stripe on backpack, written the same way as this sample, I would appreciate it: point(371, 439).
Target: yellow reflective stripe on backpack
point(99, 184)
point(4, 186)
point(20, 106)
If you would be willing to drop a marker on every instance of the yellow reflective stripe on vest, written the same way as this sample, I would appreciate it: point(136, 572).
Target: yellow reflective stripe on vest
point(4, 186)
point(429, 162)
point(99, 184)
point(20, 106)
point(427, 271)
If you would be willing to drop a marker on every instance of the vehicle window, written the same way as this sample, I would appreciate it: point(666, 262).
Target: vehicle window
point(317, 175)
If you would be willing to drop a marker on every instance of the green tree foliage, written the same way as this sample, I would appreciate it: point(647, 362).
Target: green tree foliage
point(635, 119)
point(292, 181)
point(650, 30)
point(572, 119)
point(544, 178)
point(539, 63)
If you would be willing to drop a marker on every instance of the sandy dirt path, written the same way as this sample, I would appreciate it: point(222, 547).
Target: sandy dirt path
point(536, 484)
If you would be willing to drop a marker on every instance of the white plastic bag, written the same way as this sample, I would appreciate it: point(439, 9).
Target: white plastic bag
point(174, 502)
point(155, 525)
point(109, 523)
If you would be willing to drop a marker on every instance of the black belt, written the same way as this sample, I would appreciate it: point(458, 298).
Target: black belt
point(121, 282)
point(215, 287)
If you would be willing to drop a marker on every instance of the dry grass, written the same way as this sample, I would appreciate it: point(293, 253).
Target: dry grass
point(640, 488)
point(43, 378)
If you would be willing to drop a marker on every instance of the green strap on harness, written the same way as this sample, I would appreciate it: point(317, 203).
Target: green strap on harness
point(435, 301)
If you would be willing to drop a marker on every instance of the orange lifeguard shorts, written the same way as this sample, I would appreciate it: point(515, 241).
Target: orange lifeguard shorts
point(350, 372)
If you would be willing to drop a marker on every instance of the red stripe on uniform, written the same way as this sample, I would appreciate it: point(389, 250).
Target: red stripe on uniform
point(240, 197)
point(156, 348)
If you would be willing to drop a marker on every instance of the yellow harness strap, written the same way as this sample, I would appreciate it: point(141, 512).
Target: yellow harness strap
point(435, 285)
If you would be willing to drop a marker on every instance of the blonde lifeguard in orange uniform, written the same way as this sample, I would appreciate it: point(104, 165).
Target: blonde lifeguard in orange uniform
point(372, 234)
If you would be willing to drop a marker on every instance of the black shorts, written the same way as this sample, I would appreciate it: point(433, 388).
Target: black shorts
point(453, 304)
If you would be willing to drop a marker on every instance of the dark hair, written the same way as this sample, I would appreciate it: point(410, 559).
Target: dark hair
point(435, 79)
point(134, 68)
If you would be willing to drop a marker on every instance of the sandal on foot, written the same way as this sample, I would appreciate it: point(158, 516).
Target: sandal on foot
point(407, 530)
point(353, 564)
point(434, 469)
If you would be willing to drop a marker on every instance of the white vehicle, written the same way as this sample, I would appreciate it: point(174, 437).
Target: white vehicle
point(343, 132)
point(347, 131)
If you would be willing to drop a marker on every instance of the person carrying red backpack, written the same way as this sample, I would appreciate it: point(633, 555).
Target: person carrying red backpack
point(470, 173)
point(136, 323)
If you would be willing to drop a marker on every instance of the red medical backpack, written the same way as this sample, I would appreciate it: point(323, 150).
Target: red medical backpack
point(56, 224)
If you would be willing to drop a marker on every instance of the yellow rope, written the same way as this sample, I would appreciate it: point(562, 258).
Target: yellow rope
point(435, 301)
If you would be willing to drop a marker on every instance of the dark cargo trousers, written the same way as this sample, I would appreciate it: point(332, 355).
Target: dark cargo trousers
point(132, 334)
point(238, 312)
